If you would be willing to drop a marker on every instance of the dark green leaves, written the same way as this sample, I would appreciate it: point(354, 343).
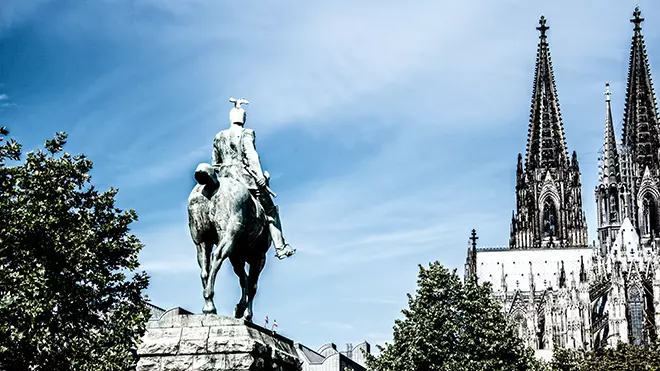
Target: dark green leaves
point(450, 325)
point(65, 304)
point(627, 357)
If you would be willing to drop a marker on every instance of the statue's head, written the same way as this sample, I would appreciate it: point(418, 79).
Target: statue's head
point(237, 114)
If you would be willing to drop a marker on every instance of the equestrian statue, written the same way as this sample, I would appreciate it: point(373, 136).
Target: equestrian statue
point(231, 207)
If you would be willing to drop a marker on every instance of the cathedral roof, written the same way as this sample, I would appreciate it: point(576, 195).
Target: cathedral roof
point(640, 119)
point(546, 144)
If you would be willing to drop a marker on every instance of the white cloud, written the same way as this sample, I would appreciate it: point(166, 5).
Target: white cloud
point(430, 75)
point(4, 97)
point(323, 67)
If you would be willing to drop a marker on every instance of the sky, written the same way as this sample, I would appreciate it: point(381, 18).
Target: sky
point(391, 129)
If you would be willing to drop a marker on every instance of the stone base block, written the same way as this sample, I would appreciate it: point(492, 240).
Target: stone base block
point(197, 342)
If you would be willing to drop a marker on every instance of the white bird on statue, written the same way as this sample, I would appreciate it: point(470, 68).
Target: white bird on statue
point(238, 102)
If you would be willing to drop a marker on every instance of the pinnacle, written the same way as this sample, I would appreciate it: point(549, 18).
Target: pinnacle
point(637, 19)
point(543, 28)
point(610, 165)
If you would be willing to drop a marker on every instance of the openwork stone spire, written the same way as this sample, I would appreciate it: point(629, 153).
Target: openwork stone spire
point(548, 189)
point(640, 120)
point(546, 145)
point(610, 170)
point(610, 194)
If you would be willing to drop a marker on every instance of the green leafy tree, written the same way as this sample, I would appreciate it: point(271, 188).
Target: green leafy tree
point(451, 325)
point(624, 356)
point(567, 360)
point(66, 253)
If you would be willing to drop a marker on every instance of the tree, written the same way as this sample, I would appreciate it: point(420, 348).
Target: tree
point(628, 357)
point(451, 325)
point(567, 360)
point(66, 302)
point(622, 357)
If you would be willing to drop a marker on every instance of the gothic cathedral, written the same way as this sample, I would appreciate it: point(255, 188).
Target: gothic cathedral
point(560, 291)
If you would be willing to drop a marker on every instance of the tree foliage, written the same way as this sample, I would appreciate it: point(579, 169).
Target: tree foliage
point(624, 356)
point(66, 252)
point(450, 325)
point(566, 360)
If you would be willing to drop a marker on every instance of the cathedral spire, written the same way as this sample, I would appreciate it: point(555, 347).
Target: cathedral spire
point(546, 145)
point(640, 119)
point(610, 161)
point(548, 189)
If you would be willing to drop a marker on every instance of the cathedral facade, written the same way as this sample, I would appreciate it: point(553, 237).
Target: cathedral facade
point(561, 291)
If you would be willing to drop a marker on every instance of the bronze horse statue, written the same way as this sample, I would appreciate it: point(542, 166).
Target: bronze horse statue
point(222, 212)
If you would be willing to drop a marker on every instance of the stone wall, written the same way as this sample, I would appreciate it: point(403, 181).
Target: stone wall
point(210, 342)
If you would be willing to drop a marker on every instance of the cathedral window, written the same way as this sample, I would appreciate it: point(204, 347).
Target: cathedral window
point(613, 207)
point(636, 310)
point(549, 218)
point(650, 214)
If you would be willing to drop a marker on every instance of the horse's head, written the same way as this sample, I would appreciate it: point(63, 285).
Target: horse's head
point(205, 174)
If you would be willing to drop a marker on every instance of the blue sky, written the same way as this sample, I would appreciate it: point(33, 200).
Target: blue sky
point(391, 129)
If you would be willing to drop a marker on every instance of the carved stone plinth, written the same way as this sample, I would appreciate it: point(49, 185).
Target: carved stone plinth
point(199, 342)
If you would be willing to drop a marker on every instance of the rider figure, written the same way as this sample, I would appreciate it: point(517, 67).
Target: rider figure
point(235, 156)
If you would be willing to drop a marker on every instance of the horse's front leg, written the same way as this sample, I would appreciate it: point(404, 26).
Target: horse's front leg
point(203, 259)
point(239, 269)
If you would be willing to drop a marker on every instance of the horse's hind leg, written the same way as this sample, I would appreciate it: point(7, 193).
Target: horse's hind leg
point(221, 252)
point(239, 268)
point(256, 267)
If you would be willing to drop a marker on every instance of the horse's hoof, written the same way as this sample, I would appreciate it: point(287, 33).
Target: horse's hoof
point(209, 308)
point(239, 311)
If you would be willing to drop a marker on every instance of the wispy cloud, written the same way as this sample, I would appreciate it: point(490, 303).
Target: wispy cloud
point(318, 68)
point(13, 12)
point(5, 102)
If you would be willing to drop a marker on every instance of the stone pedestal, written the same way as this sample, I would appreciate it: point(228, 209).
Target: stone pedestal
point(198, 342)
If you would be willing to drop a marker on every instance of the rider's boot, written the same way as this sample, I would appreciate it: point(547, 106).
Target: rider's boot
point(282, 249)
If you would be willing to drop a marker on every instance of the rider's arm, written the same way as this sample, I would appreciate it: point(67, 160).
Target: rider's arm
point(216, 158)
point(251, 153)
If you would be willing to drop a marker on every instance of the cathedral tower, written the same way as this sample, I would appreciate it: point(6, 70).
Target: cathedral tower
point(612, 194)
point(548, 189)
point(641, 139)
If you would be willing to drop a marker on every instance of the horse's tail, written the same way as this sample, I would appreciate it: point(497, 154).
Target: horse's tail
point(205, 174)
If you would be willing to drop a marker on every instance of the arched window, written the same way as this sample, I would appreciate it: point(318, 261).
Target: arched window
point(650, 214)
point(636, 310)
point(521, 324)
point(549, 218)
point(614, 206)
